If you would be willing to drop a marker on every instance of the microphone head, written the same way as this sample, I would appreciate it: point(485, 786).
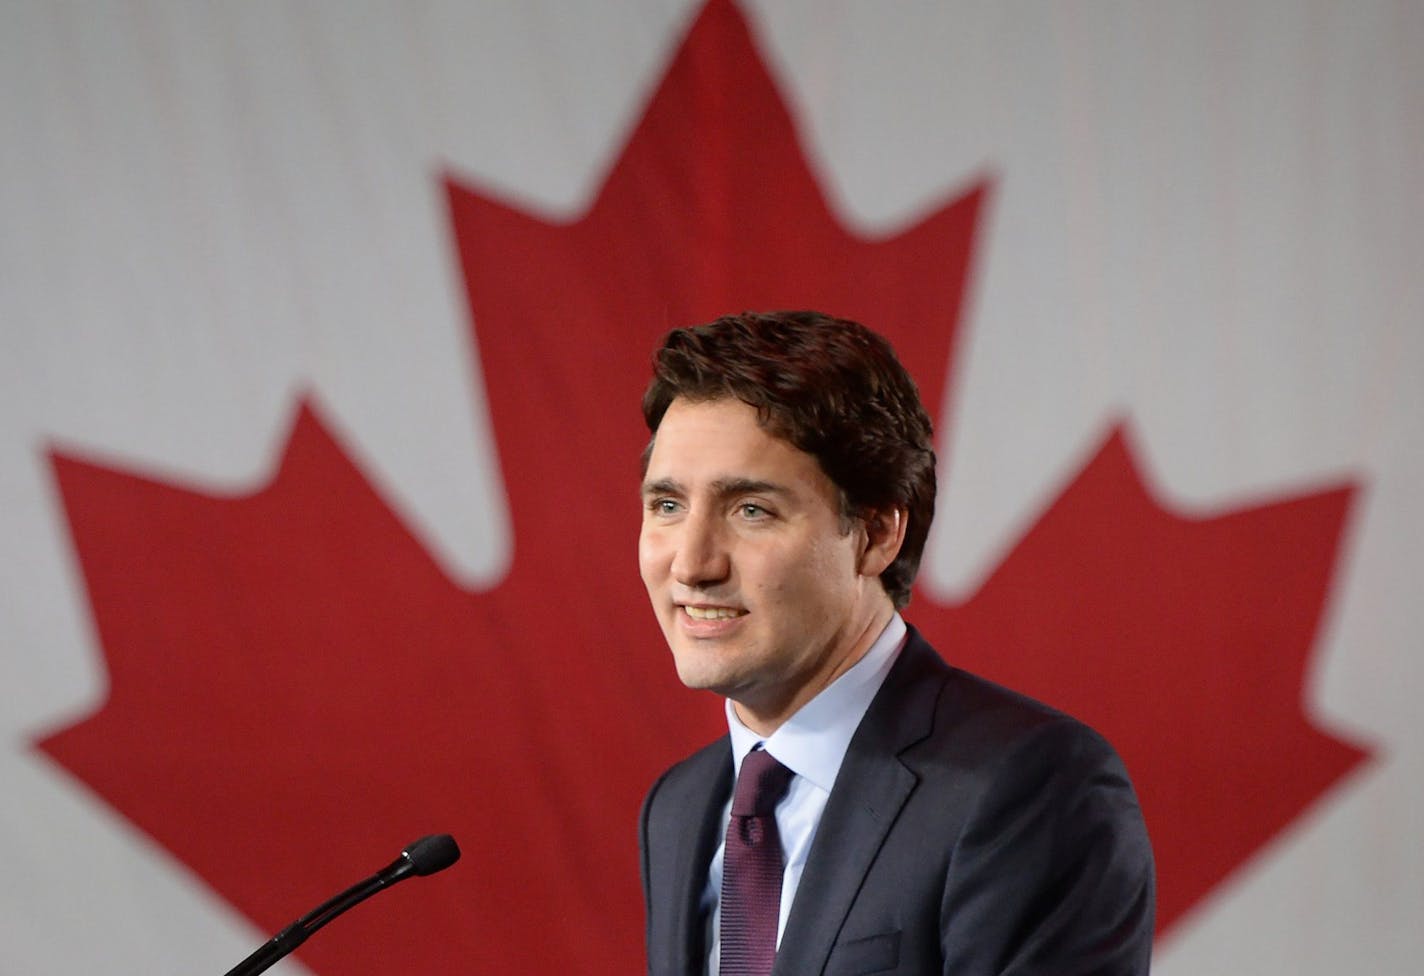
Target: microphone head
point(430, 854)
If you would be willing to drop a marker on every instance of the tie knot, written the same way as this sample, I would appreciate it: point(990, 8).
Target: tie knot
point(760, 785)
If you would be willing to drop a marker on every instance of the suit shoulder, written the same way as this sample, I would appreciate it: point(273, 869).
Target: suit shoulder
point(975, 723)
point(998, 721)
point(979, 699)
point(691, 776)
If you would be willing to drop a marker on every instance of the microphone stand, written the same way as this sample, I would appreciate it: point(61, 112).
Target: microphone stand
point(425, 856)
point(287, 940)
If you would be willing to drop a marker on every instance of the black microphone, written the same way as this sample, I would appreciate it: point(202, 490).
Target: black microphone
point(425, 856)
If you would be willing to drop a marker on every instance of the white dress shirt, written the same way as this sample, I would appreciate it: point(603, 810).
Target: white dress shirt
point(812, 744)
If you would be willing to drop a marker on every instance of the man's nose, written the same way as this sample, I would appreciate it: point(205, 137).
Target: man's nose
point(701, 556)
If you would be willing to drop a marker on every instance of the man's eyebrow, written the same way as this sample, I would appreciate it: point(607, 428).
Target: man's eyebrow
point(722, 487)
point(747, 486)
point(661, 486)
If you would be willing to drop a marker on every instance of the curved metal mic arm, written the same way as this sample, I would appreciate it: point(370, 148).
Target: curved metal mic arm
point(425, 856)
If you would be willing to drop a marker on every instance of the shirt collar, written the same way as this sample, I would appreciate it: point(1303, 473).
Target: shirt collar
point(813, 742)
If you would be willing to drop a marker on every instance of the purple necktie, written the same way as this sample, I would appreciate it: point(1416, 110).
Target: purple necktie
point(751, 868)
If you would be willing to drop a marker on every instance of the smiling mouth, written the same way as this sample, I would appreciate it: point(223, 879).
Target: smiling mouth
point(712, 613)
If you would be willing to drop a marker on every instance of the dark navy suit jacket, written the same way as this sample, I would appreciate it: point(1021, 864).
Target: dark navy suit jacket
point(971, 831)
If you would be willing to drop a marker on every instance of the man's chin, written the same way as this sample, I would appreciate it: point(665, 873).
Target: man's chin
point(696, 680)
point(701, 675)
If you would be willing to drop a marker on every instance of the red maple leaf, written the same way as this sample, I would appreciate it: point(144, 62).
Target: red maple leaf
point(296, 688)
point(1185, 641)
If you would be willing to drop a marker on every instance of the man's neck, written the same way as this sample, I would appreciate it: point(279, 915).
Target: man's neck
point(764, 718)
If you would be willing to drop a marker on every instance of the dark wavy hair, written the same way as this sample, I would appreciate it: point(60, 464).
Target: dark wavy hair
point(829, 387)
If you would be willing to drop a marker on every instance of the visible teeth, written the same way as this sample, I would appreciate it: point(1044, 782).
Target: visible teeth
point(712, 613)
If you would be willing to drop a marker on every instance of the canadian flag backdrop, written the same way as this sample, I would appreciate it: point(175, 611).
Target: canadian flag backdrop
point(324, 328)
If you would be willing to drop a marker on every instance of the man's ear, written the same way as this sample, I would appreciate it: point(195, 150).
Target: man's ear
point(884, 535)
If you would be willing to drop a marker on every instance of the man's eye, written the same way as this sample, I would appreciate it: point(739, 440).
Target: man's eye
point(662, 506)
point(751, 510)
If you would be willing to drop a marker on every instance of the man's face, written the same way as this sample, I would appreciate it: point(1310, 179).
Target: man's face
point(752, 573)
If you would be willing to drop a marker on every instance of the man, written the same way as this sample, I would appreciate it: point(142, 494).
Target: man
point(891, 814)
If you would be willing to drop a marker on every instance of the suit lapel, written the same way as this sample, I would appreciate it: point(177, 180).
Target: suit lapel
point(870, 790)
point(710, 783)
